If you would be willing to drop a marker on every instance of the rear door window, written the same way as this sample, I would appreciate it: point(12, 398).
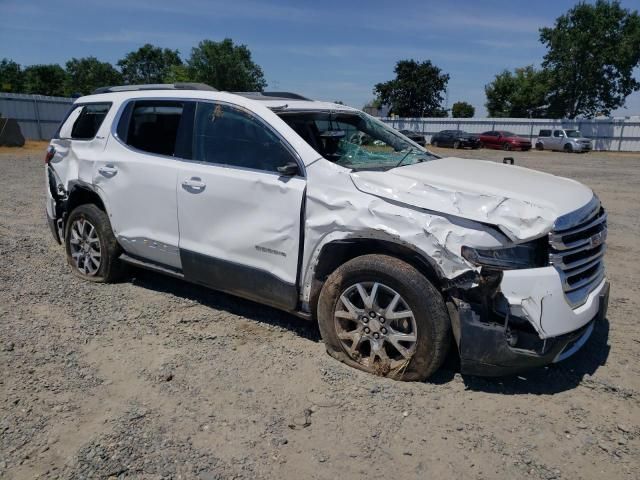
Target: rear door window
point(84, 121)
point(153, 126)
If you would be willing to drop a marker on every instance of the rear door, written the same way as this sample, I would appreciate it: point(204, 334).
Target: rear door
point(240, 219)
point(138, 174)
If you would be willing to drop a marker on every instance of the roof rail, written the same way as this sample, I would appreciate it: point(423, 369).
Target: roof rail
point(272, 95)
point(155, 86)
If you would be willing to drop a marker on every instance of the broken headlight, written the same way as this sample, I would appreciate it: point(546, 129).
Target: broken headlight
point(525, 255)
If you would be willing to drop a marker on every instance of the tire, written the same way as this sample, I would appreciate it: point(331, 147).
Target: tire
point(434, 144)
point(539, 147)
point(88, 231)
point(482, 145)
point(506, 147)
point(456, 145)
point(428, 323)
point(568, 148)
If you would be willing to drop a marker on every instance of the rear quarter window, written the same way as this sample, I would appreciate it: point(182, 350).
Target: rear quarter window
point(84, 121)
point(544, 133)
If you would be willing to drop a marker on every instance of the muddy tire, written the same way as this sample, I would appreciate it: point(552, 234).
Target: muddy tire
point(410, 344)
point(91, 247)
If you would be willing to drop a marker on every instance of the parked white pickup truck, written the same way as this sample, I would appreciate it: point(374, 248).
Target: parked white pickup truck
point(323, 211)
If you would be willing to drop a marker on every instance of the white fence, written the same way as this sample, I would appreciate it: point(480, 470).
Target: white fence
point(39, 117)
point(616, 134)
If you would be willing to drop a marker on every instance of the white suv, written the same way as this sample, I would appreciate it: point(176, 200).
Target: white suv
point(323, 211)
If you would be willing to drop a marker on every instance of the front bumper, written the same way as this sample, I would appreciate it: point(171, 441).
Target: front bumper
point(490, 345)
point(581, 147)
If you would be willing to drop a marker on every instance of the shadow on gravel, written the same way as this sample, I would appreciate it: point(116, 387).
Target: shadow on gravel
point(228, 303)
point(554, 378)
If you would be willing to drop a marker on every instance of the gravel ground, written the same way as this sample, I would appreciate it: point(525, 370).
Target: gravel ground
point(153, 378)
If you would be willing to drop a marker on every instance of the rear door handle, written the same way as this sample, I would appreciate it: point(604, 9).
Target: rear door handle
point(108, 170)
point(194, 184)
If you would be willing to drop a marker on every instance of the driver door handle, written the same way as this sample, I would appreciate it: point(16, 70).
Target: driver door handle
point(194, 184)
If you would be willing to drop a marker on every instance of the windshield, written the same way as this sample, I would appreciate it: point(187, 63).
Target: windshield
point(355, 140)
point(573, 133)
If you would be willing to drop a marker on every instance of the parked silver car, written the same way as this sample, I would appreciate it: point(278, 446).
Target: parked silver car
point(563, 139)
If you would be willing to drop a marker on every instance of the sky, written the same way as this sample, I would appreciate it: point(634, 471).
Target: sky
point(327, 50)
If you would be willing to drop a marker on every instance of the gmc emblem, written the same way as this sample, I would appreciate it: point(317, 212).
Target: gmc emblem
point(597, 239)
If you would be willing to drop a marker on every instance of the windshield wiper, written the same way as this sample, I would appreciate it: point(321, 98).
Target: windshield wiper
point(411, 149)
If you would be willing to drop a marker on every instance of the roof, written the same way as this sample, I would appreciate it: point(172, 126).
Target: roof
point(271, 100)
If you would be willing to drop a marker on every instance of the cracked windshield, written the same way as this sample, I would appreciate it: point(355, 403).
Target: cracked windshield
point(355, 141)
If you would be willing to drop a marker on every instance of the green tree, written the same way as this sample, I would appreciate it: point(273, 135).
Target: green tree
point(417, 91)
point(225, 66)
point(592, 52)
point(11, 76)
point(148, 64)
point(522, 93)
point(177, 74)
point(84, 75)
point(462, 110)
point(45, 80)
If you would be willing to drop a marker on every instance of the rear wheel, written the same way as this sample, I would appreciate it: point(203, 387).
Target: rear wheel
point(568, 148)
point(539, 146)
point(92, 249)
point(379, 314)
point(434, 143)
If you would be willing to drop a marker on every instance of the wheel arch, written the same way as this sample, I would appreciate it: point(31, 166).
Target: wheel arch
point(335, 253)
point(81, 193)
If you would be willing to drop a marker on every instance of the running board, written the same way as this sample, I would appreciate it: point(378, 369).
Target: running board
point(151, 266)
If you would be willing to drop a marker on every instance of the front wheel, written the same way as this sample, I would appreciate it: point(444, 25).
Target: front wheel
point(379, 314)
point(456, 145)
point(506, 147)
point(434, 144)
point(92, 249)
point(568, 148)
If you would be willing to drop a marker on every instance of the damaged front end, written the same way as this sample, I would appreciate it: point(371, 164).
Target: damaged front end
point(498, 337)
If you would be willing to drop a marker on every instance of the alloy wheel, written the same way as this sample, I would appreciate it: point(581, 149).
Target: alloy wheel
point(85, 247)
point(375, 326)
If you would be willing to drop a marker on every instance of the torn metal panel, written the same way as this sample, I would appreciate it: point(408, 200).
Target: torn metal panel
point(336, 211)
point(522, 203)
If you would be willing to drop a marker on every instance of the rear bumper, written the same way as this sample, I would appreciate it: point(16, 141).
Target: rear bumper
point(491, 348)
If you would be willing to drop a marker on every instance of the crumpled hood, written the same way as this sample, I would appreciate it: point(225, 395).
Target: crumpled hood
point(523, 203)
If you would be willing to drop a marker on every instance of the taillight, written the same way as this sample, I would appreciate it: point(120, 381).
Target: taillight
point(51, 151)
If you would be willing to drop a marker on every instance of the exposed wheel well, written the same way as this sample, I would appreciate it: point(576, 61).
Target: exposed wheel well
point(337, 253)
point(81, 195)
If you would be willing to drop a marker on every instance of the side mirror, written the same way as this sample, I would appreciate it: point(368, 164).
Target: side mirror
point(289, 169)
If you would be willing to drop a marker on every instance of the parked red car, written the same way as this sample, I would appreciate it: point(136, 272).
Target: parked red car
point(504, 140)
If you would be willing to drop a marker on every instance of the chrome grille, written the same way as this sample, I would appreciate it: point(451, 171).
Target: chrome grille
point(576, 249)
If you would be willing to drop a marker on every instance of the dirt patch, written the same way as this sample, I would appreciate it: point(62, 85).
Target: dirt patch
point(155, 378)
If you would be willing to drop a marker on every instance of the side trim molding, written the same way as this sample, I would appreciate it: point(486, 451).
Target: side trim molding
point(240, 280)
